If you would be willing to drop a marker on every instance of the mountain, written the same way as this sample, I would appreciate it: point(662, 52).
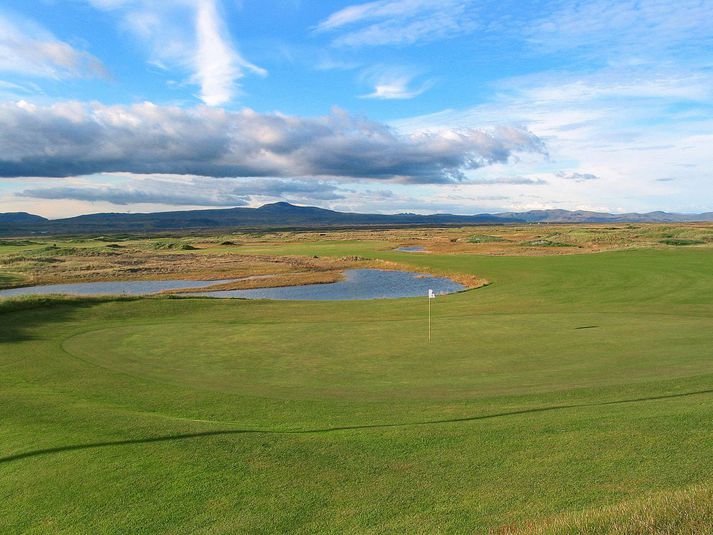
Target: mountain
point(286, 215)
point(20, 217)
point(276, 215)
point(581, 216)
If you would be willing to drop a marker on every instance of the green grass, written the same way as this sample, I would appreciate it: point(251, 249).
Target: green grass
point(9, 279)
point(565, 397)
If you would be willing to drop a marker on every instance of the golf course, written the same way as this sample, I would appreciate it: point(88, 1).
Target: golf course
point(571, 393)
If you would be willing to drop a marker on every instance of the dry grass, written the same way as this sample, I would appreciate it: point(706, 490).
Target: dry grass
point(511, 240)
point(688, 511)
point(270, 281)
point(99, 264)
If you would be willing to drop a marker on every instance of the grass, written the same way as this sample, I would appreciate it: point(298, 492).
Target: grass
point(573, 394)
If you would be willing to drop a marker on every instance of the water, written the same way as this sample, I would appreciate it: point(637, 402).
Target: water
point(358, 284)
point(108, 288)
point(410, 249)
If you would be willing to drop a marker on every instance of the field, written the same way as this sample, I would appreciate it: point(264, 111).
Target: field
point(573, 393)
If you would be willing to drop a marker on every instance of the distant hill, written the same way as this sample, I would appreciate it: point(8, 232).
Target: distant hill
point(19, 217)
point(286, 215)
point(581, 216)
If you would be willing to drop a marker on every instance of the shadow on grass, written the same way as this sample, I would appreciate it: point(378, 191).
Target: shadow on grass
point(186, 436)
point(19, 316)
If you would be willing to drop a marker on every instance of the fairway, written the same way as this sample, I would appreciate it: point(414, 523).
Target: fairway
point(569, 384)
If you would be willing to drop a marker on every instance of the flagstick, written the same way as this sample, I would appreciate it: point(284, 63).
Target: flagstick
point(429, 318)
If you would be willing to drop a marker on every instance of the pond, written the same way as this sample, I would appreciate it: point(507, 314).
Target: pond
point(358, 284)
point(108, 288)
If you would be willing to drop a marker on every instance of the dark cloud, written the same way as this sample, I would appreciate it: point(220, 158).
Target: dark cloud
point(197, 191)
point(73, 139)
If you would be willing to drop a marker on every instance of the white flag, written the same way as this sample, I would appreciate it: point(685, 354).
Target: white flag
point(431, 295)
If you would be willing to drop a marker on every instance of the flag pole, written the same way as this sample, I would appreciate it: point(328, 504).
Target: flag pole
point(430, 296)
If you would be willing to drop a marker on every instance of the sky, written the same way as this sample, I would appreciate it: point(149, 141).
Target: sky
point(460, 106)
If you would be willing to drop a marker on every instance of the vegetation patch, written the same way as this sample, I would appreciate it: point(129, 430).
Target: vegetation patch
point(546, 243)
point(171, 246)
point(114, 238)
point(17, 243)
point(681, 241)
point(485, 238)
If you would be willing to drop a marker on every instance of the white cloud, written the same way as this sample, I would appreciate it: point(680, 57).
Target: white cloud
point(393, 83)
point(189, 35)
point(398, 22)
point(217, 64)
point(27, 48)
point(627, 125)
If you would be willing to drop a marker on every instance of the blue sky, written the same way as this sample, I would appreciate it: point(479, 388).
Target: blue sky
point(462, 106)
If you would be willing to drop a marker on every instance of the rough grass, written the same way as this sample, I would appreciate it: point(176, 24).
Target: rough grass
point(681, 512)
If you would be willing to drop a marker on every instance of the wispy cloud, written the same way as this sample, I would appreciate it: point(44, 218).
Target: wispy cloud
point(72, 139)
point(27, 48)
point(630, 27)
point(398, 22)
point(189, 35)
point(393, 83)
point(216, 63)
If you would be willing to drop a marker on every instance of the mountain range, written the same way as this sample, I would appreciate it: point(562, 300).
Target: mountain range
point(286, 215)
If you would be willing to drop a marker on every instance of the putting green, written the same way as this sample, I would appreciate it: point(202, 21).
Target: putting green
point(468, 357)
